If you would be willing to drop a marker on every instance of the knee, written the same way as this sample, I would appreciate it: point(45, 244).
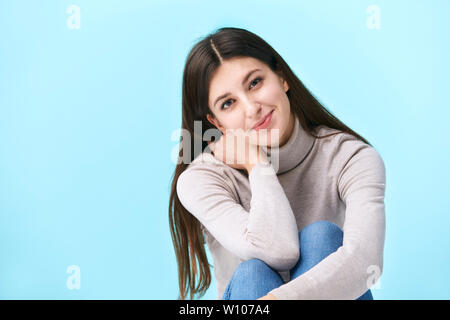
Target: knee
point(317, 240)
point(251, 268)
point(321, 229)
point(252, 279)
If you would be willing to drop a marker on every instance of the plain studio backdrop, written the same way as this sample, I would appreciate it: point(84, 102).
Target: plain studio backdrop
point(90, 94)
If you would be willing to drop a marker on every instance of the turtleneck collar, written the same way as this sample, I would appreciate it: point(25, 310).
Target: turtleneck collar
point(294, 151)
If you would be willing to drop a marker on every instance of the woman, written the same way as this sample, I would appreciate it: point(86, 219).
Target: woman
point(311, 227)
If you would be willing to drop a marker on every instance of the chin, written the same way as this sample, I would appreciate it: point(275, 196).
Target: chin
point(268, 137)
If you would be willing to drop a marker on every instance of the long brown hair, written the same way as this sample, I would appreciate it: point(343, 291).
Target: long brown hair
point(203, 59)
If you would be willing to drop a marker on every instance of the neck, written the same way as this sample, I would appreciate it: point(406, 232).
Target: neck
point(293, 149)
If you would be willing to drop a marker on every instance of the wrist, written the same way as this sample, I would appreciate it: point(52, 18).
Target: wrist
point(249, 168)
point(261, 158)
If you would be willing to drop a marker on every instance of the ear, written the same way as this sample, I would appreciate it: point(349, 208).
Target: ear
point(214, 122)
point(283, 82)
point(285, 85)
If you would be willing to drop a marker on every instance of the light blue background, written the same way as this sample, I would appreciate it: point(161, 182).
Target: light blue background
point(86, 118)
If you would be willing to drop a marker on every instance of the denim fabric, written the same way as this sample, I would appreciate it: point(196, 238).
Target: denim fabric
point(253, 278)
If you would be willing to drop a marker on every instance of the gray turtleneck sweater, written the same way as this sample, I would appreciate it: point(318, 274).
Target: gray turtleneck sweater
point(258, 215)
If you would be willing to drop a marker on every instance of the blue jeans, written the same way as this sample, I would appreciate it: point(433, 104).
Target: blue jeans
point(253, 278)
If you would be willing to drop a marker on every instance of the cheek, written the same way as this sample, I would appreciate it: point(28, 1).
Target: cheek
point(234, 121)
point(271, 94)
point(275, 96)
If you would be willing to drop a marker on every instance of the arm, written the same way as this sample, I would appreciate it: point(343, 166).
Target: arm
point(267, 232)
point(344, 274)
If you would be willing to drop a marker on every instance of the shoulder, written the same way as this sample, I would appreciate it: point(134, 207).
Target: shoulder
point(204, 175)
point(343, 146)
point(205, 164)
point(349, 156)
point(335, 140)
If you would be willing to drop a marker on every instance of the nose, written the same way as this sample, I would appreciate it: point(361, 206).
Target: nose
point(252, 112)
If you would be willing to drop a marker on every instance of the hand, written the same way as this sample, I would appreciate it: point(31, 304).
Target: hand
point(268, 296)
point(235, 150)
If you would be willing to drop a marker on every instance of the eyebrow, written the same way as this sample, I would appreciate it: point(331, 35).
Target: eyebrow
point(243, 82)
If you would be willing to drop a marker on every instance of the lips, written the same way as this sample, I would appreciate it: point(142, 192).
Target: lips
point(262, 120)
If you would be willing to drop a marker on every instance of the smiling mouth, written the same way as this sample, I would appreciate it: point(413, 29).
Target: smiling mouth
point(265, 122)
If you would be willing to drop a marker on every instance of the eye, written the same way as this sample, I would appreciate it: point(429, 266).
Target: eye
point(258, 79)
point(225, 104)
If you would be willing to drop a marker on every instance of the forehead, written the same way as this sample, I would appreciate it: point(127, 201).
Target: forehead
point(229, 74)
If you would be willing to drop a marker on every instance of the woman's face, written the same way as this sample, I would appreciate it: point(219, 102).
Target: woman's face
point(242, 91)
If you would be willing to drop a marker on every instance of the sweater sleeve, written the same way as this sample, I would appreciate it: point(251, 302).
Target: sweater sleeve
point(268, 231)
point(351, 270)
